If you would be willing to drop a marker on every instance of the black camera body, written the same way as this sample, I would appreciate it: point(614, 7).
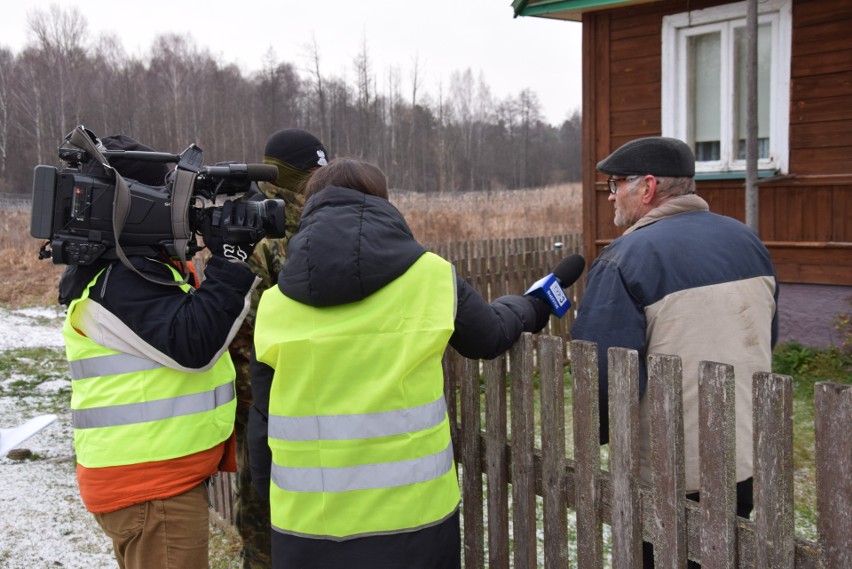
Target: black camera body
point(74, 207)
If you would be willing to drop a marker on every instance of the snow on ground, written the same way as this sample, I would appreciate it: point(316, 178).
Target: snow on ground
point(43, 523)
point(31, 327)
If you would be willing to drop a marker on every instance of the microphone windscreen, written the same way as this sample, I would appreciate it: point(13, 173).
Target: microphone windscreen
point(262, 172)
point(569, 269)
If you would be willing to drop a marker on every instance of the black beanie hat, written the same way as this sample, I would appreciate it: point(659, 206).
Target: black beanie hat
point(655, 155)
point(149, 173)
point(296, 147)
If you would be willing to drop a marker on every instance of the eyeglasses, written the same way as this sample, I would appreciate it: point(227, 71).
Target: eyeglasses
point(613, 182)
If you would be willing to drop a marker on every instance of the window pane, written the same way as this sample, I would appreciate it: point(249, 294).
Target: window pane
point(705, 84)
point(764, 62)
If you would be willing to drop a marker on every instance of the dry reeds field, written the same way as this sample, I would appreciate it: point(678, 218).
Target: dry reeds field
point(434, 218)
point(462, 216)
point(25, 280)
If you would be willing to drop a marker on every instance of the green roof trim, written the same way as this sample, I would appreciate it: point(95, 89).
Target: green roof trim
point(544, 7)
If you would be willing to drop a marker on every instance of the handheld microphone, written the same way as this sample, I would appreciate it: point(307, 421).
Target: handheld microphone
point(550, 288)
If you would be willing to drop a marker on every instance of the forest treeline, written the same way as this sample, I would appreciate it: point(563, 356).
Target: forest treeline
point(461, 138)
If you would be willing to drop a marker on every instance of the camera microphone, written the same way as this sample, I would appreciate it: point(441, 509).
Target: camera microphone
point(550, 288)
point(253, 172)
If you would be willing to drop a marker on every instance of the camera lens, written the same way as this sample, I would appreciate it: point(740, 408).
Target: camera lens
point(271, 213)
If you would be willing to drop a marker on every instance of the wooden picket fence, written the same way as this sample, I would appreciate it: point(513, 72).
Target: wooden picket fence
point(512, 457)
point(495, 424)
point(497, 267)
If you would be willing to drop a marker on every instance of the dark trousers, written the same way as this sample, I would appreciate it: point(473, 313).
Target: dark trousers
point(745, 504)
point(436, 547)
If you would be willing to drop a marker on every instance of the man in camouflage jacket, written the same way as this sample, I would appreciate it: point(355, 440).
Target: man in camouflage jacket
point(296, 153)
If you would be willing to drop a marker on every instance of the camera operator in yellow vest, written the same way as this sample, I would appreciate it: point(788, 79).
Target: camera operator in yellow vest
point(153, 385)
point(349, 431)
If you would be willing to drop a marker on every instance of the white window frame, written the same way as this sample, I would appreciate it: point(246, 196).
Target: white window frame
point(677, 28)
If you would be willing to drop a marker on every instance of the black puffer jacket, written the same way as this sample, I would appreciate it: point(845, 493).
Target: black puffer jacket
point(349, 246)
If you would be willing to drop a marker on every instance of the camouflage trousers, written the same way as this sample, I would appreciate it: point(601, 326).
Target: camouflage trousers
point(252, 511)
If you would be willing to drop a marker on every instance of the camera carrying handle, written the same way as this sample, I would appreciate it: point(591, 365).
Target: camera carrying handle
point(182, 193)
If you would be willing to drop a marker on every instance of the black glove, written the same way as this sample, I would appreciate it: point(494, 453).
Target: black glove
point(232, 230)
point(542, 313)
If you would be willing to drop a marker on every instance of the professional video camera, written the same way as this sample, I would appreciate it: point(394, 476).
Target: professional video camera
point(87, 211)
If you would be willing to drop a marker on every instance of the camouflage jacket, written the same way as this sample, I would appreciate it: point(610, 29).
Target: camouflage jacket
point(268, 258)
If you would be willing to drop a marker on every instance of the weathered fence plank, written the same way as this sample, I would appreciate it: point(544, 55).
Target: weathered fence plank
point(623, 370)
point(717, 438)
point(523, 444)
point(832, 418)
point(665, 402)
point(472, 474)
point(772, 397)
point(587, 454)
point(551, 350)
point(220, 493)
point(451, 379)
point(497, 463)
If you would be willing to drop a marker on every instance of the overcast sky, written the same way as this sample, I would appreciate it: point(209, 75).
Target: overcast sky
point(442, 35)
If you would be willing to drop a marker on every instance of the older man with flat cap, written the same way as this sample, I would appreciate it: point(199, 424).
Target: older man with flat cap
point(683, 281)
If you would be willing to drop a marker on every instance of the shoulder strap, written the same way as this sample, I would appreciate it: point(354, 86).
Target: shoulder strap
point(122, 200)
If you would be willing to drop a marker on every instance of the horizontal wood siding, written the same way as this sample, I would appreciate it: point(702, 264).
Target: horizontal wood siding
point(809, 211)
point(814, 263)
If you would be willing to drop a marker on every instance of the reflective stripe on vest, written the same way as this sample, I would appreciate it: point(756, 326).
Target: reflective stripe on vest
point(364, 476)
point(363, 426)
point(127, 409)
point(157, 410)
point(358, 426)
point(112, 364)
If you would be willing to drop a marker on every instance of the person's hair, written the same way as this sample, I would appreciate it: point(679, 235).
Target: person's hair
point(349, 173)
point(668, 187)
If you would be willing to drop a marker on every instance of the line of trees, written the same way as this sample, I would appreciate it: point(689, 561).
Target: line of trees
point(461, 138)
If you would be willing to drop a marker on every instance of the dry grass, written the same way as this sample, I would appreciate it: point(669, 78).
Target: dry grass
point(437, 218)
point(24, 279)
point(434, 218)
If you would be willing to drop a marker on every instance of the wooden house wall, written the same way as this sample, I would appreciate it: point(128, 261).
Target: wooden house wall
point(806, 217)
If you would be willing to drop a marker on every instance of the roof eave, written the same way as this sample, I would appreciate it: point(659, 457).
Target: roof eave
point(566, 9)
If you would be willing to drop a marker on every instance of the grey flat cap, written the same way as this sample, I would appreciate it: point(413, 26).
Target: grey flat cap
point(655, 155)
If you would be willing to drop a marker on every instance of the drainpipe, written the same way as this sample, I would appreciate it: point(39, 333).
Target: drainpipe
point(751, 188)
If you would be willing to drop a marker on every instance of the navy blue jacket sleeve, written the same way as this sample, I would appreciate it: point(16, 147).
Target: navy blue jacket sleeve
point(610, 316)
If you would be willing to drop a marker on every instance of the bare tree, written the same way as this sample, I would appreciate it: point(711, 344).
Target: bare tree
point(7, 67)
point(364, 82)
point(434, 139)
point(60, 33)
point(530, 112)
point(321, 101)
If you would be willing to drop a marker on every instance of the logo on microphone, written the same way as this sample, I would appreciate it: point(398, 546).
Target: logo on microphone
point(557, 293)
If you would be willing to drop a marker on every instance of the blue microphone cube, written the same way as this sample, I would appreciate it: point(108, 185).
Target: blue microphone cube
point(550, 290)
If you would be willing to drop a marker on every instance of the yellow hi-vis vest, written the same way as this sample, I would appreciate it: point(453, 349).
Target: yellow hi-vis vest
point(126, 409)
point(358, 424)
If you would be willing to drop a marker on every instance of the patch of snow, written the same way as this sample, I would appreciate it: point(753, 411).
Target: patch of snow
point(50, 312)
point(43, 522)
point(54, 386)
point(26, 328)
